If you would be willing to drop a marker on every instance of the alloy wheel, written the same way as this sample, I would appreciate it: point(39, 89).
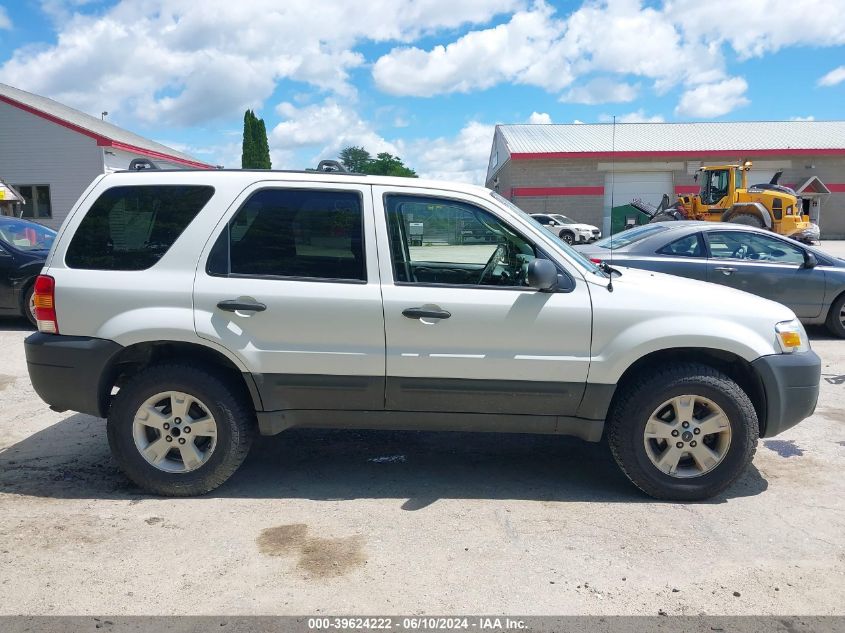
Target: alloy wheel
point(174, 432)
point(687, 436)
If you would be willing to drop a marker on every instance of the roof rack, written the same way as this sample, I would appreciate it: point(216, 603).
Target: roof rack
point(333, 167)
point(142, 164)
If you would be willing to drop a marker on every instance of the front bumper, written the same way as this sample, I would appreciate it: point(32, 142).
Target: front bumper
point(791, 384)
point(71, 372)
point(808, 234)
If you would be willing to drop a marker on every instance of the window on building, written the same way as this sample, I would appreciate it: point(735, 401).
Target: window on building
point(294, 233)
point(37, 198)
point(131, 228)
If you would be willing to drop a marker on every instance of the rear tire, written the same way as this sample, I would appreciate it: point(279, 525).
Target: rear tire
point(635, 422)
point(836, 317)
point(747, 219)
point(27, 306)
point(150, 403)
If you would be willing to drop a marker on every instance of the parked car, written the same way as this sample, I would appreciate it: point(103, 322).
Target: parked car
point(188, 308)
point(804, 278)
point(23, 249)
point(567, 229)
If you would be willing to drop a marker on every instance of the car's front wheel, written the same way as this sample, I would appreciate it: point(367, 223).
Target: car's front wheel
point(178, 430)
point(684, 432)
point(567, 237)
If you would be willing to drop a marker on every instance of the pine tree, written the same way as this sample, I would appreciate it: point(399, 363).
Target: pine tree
point(248, 149)
point(262, 147)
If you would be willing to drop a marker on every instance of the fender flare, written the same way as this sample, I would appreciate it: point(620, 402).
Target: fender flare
point(754, 208)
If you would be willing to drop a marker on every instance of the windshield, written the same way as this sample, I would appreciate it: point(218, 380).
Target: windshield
point(577, 257)
point(26, 236)
point(630, 236)
point(563, 219)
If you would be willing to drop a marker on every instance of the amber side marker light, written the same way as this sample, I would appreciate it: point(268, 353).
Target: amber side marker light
point(44, 299)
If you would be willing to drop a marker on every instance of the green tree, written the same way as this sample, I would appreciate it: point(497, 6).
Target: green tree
point(255, 153)
point(358, 159)
point(261, 144)
point(248, 148)
point(355, 159)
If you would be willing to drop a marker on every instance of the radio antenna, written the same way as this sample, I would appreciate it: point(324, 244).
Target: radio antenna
point(612, 189)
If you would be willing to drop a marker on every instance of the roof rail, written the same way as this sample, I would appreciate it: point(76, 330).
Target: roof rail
point(331, 165)
point(142, 164)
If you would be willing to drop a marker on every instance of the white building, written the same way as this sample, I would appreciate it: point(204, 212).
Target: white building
point(50, 152)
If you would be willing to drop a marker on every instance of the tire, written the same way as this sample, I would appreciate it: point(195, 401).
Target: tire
point(747, 219)
point(630, 417)
point(221, 453)
point(27, 307)
point(567, 237)
point(835, 321)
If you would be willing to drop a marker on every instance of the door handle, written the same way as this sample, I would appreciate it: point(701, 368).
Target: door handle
point(425, 313)
point(725, 270)
point(233, 305)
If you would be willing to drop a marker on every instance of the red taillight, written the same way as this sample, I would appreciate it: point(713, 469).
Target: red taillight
point(44, 300)
point(595, 260)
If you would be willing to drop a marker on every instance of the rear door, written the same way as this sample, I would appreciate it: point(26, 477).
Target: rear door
point(464, 332)
point(289, 282)
point(767, 266)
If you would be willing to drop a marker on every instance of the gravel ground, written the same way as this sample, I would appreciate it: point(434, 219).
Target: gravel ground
point(399, 523)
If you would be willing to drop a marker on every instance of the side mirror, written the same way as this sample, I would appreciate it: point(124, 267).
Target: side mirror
point(542, 275)
point(810, 260)
point(552, 223)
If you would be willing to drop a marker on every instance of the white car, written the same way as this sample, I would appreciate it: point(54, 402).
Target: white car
point(567, 229)
point(194, 308)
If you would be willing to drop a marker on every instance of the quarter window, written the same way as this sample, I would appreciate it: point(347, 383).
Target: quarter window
point(441, 241)
point(296, 233)
point(753, 247)
point(131, 228)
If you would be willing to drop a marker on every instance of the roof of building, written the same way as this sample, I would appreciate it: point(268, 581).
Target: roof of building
point(106, 134)
point(674, 137)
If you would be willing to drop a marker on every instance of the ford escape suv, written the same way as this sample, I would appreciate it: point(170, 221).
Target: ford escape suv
point(194, 308)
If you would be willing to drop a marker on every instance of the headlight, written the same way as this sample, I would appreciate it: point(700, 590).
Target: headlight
point(792, 337)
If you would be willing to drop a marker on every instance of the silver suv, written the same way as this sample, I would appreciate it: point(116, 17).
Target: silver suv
point(192, 308)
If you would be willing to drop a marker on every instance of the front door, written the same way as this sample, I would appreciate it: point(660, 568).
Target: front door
point(464, 333)
point(767, 266)
point(289, 283)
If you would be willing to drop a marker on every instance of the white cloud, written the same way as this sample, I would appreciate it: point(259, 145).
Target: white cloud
point(638, 116)
point(715, 99)
point(178, 62)
point(802, 118)
point(325, 128)
point(460, 158)
point(540, 117)
point(601, 90)
point(5, 21)
point(834, 77)
point(754, 28)
point(537, 48)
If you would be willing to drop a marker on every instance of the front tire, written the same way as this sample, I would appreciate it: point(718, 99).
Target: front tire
point(177, 430)
point(685, 432)
point(836, 317)
point(567, 237)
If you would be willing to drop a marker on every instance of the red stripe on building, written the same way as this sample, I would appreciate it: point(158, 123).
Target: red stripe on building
point(835, 187)
point(736, 153)
point(103, 141)
point(534, 192)
point(686, 189)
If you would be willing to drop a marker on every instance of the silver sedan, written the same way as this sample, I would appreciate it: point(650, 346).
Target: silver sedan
point(804, 278)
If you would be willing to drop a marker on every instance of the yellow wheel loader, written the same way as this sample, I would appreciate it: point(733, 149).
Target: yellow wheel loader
point(726, 197)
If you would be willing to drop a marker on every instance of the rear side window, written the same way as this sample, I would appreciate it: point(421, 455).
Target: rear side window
point(294, 233)
point(689, 246)
point(131, 228)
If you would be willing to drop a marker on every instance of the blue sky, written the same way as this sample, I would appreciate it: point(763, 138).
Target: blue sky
point(426, 79)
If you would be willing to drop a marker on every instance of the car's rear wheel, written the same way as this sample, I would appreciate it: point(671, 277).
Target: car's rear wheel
point(29, 305)
point(177, 430)
point(684, 432)
point(836, 317)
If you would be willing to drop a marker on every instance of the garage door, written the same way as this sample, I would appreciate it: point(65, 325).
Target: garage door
point(648, 186)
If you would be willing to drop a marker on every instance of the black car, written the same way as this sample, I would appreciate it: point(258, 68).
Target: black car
point(23, 248)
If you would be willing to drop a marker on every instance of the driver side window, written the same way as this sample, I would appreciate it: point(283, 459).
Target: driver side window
point(442, 241)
